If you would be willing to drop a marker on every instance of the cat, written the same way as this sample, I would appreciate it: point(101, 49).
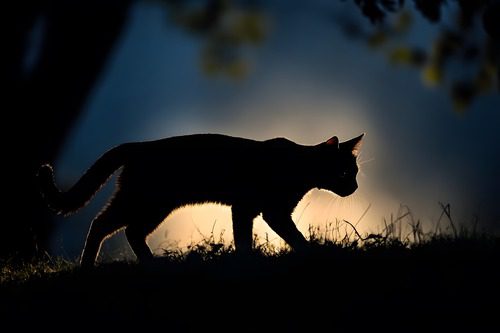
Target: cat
point(157, 177)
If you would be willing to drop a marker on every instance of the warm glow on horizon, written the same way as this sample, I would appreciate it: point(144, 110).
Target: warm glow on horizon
point(318, 209)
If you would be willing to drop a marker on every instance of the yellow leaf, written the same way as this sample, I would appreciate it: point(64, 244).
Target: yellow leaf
point(432, 75)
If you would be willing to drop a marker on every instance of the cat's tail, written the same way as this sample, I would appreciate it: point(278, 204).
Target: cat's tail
point(83, 191)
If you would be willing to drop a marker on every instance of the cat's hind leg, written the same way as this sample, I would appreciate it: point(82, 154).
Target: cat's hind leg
point(136, 236)
point(107, 222)
point(143, 222)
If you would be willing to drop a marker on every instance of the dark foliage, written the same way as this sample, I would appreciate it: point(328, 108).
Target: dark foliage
point(459, 42)
point(376, 10)
point(430, 9)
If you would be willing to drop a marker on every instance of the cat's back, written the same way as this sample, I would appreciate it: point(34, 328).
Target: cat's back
point(209, 161)
point(202, 142)
point(215, 147)
point(194, 147)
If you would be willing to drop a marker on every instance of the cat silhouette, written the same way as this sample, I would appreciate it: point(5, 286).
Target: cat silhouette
point(253, 177)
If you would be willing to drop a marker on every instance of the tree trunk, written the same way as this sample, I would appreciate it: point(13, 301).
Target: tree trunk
point(43, 101)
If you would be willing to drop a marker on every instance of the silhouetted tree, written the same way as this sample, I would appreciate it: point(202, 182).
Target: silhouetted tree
point(460, 43)
point(225, 26)
point(43, 98)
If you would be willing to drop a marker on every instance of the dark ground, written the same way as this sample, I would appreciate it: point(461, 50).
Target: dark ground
point(443, 285)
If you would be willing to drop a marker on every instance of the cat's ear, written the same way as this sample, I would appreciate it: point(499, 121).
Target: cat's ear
point(354, 145)
point(333, 142)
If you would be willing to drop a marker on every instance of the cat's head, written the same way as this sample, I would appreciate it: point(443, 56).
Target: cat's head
point(338, 162)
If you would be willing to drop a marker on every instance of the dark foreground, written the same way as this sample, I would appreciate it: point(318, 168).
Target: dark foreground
point(443, 285)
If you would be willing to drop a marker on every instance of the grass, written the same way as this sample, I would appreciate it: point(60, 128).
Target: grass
point(12, 271)
point(402, 278)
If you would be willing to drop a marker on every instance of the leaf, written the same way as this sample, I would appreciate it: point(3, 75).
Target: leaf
point(407, 56)
point(432, 75)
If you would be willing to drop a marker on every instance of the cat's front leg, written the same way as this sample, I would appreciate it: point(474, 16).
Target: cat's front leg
point(242, 227)
point(281, 222)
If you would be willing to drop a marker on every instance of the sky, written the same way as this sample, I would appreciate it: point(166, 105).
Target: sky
point(307, 81)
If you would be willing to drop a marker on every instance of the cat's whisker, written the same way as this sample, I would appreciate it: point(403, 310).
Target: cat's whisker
point(362, 173)
point(329, 207)
point(338, 203)
point(360, 166)
point(331, 200)
point(360, 163)
point(303, 211)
